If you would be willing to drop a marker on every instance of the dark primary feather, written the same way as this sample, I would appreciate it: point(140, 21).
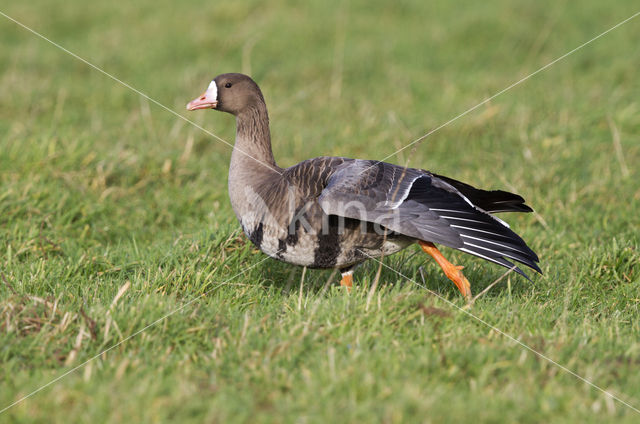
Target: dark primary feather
point(483, 235)
point(428, 207)
point(490, 201)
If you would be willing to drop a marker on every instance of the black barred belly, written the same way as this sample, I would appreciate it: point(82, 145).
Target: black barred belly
point(333, 248)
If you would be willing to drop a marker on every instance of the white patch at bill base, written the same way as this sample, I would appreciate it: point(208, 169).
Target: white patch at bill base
point(212, 91)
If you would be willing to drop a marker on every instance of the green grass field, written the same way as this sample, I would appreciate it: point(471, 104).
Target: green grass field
point(114, 213)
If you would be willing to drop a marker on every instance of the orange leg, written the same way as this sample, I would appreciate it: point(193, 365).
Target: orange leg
point(453, 272)
point(347, 280)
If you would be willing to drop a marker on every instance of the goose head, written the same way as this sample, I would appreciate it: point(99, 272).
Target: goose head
point(231, 93)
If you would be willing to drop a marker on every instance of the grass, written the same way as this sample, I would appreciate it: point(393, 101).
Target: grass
point(114, 213)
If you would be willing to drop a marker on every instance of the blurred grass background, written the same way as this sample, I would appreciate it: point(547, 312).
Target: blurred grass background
point(113, 212)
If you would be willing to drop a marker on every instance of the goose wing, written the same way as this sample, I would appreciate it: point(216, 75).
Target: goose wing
point(427, 207)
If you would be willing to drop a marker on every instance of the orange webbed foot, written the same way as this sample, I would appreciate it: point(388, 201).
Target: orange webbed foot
point(347, 280)
point(453, 272)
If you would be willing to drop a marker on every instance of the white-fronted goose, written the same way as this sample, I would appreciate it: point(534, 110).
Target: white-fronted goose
point(334, 212)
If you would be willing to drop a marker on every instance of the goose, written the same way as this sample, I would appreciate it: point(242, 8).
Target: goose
point(336, 212)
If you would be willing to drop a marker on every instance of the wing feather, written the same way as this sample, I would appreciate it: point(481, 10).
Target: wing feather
point(419, 204)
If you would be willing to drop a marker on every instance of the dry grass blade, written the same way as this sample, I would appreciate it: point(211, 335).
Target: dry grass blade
point(615, 138)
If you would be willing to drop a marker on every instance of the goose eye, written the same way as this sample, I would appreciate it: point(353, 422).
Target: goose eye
point(228, 85)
